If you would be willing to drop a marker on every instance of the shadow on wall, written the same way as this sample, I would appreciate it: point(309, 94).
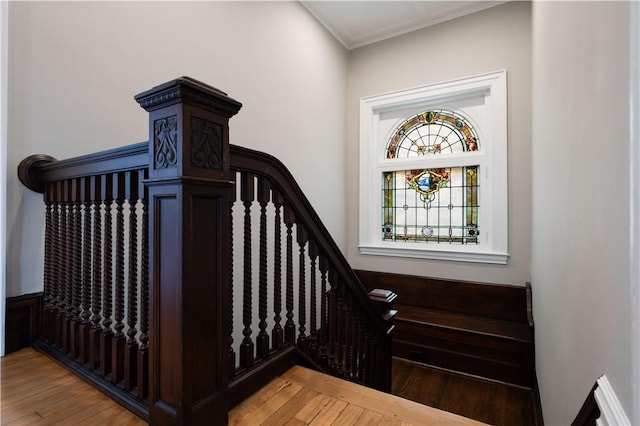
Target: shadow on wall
point(25, 261)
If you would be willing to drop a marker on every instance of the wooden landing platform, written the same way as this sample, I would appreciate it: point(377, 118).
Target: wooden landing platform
point(305, 397)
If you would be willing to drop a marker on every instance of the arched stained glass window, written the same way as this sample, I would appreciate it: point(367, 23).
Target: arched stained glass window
point(433, 171)
point(431, 205)
point(432, 132)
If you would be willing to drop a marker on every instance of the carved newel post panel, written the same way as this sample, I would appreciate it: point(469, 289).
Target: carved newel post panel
point(188, 186)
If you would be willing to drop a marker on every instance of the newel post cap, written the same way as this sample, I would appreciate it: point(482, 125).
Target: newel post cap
point(189, 90)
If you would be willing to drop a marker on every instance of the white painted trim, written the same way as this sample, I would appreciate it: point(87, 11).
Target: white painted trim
point(634, 202)
point(435, 253)
point(492, 159)
point(611, 412)
point(4, 53)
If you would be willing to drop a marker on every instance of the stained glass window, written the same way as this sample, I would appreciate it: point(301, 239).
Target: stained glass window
point(432, 132)
point(431, 205)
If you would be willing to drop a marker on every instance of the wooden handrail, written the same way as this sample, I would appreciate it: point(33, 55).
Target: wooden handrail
point(37, 170)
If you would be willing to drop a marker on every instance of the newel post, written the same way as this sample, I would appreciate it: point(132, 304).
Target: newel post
point(188, 185)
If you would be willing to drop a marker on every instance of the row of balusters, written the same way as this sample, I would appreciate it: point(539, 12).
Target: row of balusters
point(96, 290)
point(96, 296)
point(320, 314)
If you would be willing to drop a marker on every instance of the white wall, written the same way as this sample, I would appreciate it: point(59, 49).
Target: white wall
point(491, 40)
point(4, 22)
point(75, 67)
point(580, 233)
point(634, 69)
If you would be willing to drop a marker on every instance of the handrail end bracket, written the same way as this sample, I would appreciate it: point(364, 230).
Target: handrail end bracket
point(28, 171)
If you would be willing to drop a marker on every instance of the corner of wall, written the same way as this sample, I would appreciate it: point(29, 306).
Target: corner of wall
point(4, 47)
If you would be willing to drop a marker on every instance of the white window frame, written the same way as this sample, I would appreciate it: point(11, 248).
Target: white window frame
point(491, 157)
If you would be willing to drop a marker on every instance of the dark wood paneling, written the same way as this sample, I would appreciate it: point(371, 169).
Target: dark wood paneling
point(499, 301)
point(476, 328)
point(22, 322)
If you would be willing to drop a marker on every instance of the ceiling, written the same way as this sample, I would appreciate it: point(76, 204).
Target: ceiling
point(358, 23)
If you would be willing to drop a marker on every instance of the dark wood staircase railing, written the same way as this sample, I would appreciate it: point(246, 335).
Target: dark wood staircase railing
point(170, 281)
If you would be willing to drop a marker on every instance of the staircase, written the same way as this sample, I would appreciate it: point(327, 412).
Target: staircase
point(183, 273)
point(480, 329)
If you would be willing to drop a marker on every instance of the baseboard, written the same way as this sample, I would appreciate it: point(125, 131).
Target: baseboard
point(22, 325)
point(537, 403)
point(611, 411)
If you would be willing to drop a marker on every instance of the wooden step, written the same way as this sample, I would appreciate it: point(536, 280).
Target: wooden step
point(480, 354)
point(510, 330)
point(306, 397)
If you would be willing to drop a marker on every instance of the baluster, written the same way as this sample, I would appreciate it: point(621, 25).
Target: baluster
point(247, 196)
point(384, 363)
point(87, 238)
point(60, 259)
point(76, 268)
point(67, 232)
point(348, 340)
point(47, 296)
point(359, 338)
point(96, 277)
point(143, 351)
point(231, 354)
point(117, 345)
point(62, 263)
point(302, 288)
point(277, 334)
point(324, 324)
point(375, 367)
point(107, 277)
point(289, 326)
point(56, 273)
point(313, 332)
point(333, 320)
point(380, 362)
point(262, 340)
point(341, 322)
point(132, 192)
point(369, 365)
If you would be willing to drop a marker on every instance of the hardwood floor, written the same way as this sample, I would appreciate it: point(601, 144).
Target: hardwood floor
point(489, 402)
point(37, 391)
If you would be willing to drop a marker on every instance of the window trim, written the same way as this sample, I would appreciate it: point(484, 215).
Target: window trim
point(492, 158)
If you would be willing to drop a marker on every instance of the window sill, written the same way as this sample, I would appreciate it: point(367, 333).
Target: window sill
point(468, 254)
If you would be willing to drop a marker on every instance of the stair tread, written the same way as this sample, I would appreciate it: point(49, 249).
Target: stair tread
point(490, 326)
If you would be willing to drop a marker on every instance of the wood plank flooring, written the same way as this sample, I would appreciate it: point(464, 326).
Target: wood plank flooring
point(37, 391)
point(305, 397)
point(494, 403)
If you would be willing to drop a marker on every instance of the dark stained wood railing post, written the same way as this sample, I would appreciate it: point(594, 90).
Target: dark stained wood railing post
point(188, 185)
point(384, 302)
